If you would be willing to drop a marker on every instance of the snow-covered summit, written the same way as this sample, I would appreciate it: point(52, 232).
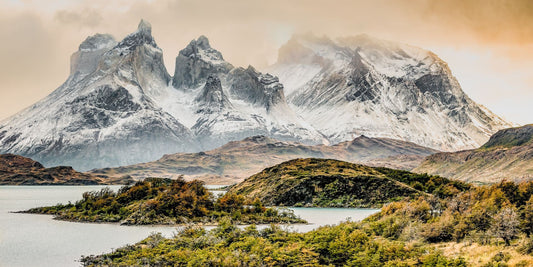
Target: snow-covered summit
point(363, 85)
point(212, 98)
point(196, 61)
point(103, 115)
point(97, 42)
point(142, 36)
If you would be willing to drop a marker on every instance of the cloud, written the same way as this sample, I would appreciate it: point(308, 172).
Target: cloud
point(85, 18)
point(500, 21)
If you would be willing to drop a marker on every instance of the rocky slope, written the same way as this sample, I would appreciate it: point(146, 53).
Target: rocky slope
point(507, 155)
point(237, 160)
point(332, 183)
point(18, 170)
point(366, 86)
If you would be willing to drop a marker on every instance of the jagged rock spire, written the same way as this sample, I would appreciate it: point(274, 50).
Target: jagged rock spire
point(142, 36)
point(196, 62)
point(144, 27)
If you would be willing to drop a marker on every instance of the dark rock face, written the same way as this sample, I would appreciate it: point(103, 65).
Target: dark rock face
point(212, 98)
point(105, 97)
point(254, 87)
point(360, 81)
point(196, 62)
point(100, 108)
point(440, 86)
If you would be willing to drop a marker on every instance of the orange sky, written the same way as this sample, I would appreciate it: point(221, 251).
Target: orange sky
point(488, 44)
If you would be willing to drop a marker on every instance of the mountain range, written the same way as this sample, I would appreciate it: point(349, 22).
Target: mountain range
point(237, 160)
point(120, 105)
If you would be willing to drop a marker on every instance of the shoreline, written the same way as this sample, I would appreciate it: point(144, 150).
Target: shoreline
point(153, 225)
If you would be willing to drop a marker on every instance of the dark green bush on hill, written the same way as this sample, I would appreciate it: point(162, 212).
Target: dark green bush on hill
point(432, 184)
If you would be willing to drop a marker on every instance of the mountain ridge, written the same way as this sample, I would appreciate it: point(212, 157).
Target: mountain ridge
point(237, 160)
point(508, 155)
point(18, 170)
point(380, 89)
point(120, 105)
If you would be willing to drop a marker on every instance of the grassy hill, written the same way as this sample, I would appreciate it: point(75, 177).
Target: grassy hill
point(333, 183)
point(507, 155)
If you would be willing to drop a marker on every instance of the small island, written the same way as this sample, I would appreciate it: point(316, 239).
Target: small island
point(159, 201)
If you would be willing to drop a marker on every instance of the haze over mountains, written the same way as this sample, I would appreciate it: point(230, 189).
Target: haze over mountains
point(380, 89)
point(120, 106)
point(238, 160)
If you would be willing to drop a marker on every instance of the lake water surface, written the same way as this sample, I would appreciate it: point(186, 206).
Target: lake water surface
point(38, 240)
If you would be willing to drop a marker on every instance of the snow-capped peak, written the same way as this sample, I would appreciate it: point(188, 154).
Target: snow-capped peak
point(197, 61)
point(142, 36)
point(364, 85)
point(254, 87)
point(85, 60)
point(97, 42)
point(212, 98)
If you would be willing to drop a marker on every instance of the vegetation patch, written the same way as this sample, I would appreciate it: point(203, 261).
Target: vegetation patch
point(346, 244)
point(333, 183)
point(166, 201)
point(446, 224)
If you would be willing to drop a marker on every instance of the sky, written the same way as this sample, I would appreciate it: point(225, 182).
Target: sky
point(488, 44)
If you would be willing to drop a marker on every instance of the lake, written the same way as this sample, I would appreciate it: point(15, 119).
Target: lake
point(38, 240)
